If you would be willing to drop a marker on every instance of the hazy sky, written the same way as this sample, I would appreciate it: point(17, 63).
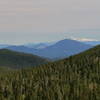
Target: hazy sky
point(24, 21)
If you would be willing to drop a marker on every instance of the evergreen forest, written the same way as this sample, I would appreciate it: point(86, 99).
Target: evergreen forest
point(73, 78)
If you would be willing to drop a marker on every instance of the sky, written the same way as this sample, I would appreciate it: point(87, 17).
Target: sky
point(23, 21)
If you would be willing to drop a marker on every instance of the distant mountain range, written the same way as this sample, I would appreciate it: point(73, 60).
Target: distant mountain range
point(93, 43)
point(3, 46)
point(23, 49)
point(38, 45)
point(14, 59)
point(61, 49)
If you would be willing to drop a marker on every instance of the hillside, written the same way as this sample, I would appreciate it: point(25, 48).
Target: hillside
point(19, 60)
point(75, 78)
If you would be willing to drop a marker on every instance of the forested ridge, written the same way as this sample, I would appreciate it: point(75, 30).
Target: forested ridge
point(74, 78)
point(17, 60)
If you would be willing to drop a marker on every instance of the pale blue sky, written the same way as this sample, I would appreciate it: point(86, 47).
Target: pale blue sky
point(23, 21)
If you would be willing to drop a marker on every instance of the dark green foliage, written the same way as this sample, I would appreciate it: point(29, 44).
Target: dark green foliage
point(19, 60)
point(75, 78)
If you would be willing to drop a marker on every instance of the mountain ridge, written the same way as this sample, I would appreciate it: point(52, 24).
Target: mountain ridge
point(15, 59)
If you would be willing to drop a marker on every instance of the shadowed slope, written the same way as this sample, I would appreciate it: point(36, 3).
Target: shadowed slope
point(14, 59)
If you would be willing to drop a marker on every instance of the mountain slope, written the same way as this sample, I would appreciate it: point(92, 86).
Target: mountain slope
point(74, 78)
point(18, 60)
point(63, 48)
